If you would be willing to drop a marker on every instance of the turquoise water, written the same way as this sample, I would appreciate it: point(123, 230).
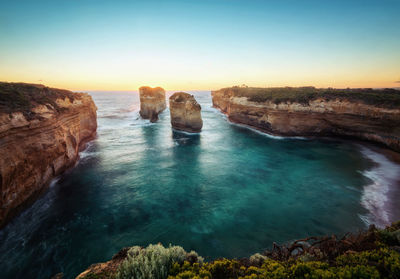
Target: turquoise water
point(226, 192)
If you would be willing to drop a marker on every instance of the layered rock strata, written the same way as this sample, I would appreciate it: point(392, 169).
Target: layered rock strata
point(152, 102)
point(320, 116)
point(41, 132)
point(185, 112)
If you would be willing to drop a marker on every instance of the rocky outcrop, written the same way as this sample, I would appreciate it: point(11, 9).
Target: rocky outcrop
point(185, 112)
point(41, 132)
point(106, 269)
point(319, 116)
point(152, 102)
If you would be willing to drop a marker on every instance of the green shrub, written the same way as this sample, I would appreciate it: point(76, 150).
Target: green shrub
point(386, 260)
point(380, 263)
point(221, 269)
point(372, 254)
point(152, 262)
point(257, 259)
point(389, 237)
point(187, 270)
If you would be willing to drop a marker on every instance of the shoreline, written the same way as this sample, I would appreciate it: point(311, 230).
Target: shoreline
point(393, 193)
point(388, 199)
point(18, 211)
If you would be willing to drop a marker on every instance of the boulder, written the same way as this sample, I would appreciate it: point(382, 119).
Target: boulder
point(185, 112)
point(152, 102)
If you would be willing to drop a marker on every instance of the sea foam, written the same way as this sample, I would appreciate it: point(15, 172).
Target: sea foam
point(375, 196)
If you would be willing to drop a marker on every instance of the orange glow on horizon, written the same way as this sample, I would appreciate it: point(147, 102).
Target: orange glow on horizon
point(201, 85)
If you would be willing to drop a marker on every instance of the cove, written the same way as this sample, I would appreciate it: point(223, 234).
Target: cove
point(228, 191)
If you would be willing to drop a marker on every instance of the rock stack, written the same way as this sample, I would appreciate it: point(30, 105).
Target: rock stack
point(152, 102)
point(185, 112)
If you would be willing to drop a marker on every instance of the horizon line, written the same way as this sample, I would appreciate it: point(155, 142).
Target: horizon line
point(208, 89)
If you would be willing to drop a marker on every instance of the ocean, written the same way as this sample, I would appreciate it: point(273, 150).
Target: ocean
point(229, 191)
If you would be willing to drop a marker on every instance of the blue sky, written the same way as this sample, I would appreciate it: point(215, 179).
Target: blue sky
point(182, 45)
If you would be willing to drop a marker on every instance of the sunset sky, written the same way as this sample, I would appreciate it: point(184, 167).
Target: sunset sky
point(201, 44)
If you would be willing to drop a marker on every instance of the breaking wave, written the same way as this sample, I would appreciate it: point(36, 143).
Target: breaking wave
point(375, 196)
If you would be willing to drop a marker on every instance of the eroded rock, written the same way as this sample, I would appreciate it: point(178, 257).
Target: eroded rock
point(152, 102)
point(40, 137)
point(185, 112)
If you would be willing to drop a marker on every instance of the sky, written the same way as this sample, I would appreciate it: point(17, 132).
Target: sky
point(200, 44)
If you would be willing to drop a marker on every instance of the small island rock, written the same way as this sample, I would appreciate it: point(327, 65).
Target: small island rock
point(185, 112)
point(152, 102)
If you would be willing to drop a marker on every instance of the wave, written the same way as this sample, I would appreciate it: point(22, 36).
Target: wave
point(120, 113)
point(185, 132)
point(112, 116)
point(140, 122)
point(375, 196)
point(265, 133)
point(131, 108)
point(217, 111)
point(54, 181)
point(87, 152)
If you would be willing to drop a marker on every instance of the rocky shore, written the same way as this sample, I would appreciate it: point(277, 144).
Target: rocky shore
point(366, 114)
point(42, 130)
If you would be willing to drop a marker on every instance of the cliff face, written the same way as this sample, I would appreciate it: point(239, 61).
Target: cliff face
point(39, 141)
point(152, 102)
point(317, 117)
point(185, 112)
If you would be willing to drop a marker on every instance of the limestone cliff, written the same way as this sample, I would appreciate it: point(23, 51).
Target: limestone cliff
point(185, 112)
point(152, 102)
point(41, 132)
point(368, 115)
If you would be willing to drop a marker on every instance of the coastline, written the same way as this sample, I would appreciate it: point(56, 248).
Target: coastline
point(393, 193)
point(45, 187)
point(380, 197)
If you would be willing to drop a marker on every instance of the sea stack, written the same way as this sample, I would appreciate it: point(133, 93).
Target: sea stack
point(185, 112)
point(42, 130)
point(152, 102)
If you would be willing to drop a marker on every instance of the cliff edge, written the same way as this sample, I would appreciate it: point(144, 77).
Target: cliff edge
point(366, 114)
point(42, 130)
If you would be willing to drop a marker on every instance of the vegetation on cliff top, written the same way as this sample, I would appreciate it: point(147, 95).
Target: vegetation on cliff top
point(371, 254)
point(388, 97)
point(23, 97)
